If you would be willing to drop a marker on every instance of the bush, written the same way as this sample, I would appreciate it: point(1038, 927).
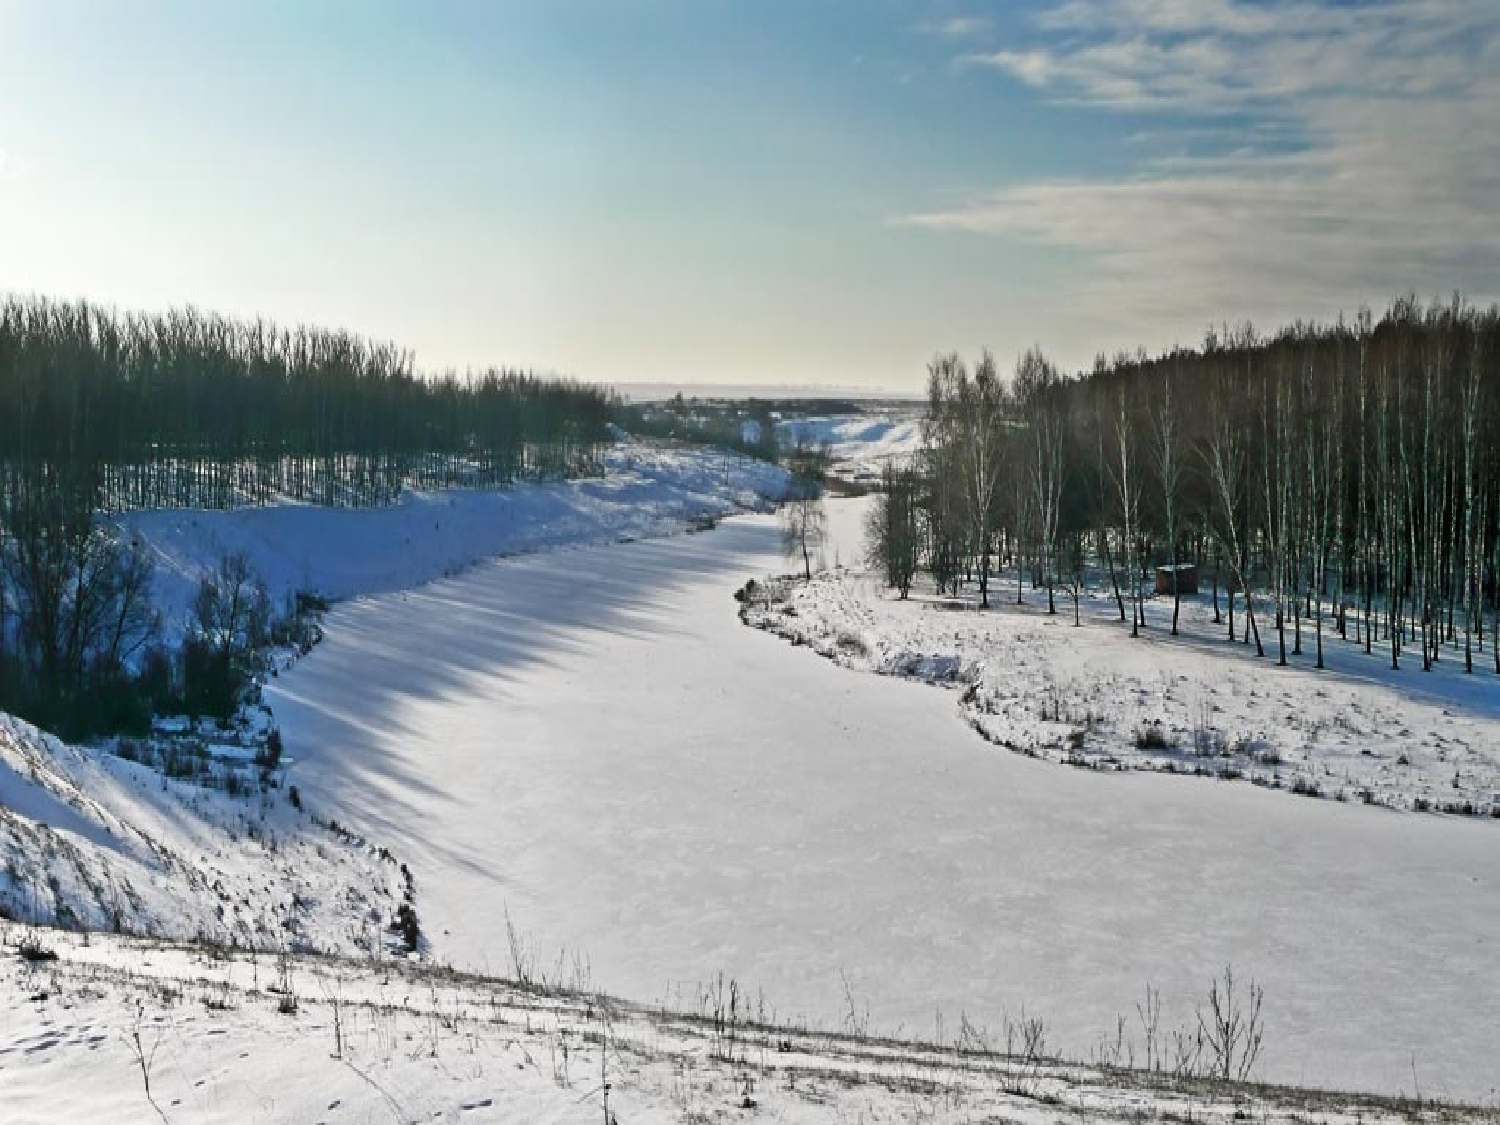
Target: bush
point(406, 925)
point(1152, 736)
point(211, 683)
point(32, 950)
point(853, 643)
point(268, 757)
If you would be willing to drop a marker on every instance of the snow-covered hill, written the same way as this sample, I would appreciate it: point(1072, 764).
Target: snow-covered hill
point(91, 840)
point(861, 445)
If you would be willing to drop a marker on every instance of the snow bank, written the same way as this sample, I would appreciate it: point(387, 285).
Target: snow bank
point(645, 491)
point(97, 842)
point(1093, 696)
point(224, 1039)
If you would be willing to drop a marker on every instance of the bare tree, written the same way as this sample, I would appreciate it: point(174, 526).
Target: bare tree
point(81, 598)
point(981, 419)
point(803, 525)
point(1036, 391)
point(1165, 431)
point(1126, 479)
point(1231, 1028)
point(892, 535)
point(1225, 454)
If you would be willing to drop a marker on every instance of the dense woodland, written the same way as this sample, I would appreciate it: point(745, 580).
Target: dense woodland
point(1341, 477)
point(102, 412)
point(190, 409)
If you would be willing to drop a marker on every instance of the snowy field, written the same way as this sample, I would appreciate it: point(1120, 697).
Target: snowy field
point(224, 1038)
point(589, 748)
point(1093, 696)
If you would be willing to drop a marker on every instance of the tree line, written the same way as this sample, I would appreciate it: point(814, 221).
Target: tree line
point(193, 409)
point(1341, 476)
point(102, 412)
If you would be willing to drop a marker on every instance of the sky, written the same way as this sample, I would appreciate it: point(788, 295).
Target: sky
point(752, 192)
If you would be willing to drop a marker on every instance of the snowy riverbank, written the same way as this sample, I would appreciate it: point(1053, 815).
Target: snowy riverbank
point(122, 1031)
point(1093, 696)
point(646, 490)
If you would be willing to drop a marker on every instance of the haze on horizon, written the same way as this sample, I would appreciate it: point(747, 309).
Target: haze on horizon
point(699, 191)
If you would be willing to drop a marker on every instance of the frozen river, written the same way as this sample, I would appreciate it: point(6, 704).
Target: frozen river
point(591, 740)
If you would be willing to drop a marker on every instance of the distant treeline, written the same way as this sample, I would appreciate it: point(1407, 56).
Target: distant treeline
point(192, 409)
point(1347, 470)
point(745, 427)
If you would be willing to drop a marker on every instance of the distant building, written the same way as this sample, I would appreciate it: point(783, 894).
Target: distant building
point(750, 432)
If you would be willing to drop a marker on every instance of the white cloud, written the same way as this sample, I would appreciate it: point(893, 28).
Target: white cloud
point(1323, 154)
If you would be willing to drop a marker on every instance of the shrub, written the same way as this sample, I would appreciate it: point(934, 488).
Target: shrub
point(406, 925)
point(268, 757)
point(32, 950)
point(1151, 736)
point(211, 683)
point(853, 643)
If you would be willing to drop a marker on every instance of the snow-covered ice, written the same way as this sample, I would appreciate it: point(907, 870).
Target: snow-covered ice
point(590, 744)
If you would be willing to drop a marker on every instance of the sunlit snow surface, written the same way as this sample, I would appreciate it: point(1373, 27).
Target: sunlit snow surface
point(591, 741)
point(387, 1041)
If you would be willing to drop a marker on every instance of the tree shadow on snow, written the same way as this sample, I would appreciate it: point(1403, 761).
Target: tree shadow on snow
point(346, 709)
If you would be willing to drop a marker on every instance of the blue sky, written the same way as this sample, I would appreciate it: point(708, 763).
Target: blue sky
point(705, 191)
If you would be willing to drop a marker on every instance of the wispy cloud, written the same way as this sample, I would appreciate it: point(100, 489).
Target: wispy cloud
point(957, 27)
point(1314, 155)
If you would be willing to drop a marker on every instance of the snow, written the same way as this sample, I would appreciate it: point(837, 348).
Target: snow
point(860, 444)
point(588, 745)
point(1091, 695)
point(220, 1042)
point(92, 840)
point(644, 490)
point(585, 758)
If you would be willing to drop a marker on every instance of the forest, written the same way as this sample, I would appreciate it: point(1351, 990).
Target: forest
point(192, 409)
point(1341, 477)
point(102, 412)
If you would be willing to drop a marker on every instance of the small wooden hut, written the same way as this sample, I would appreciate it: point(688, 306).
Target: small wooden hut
point(1180, 579)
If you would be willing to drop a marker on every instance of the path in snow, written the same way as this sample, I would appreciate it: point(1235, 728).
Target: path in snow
point(591, 740)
